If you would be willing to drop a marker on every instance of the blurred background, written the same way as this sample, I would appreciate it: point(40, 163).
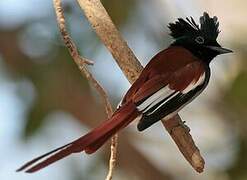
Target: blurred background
point(45, 102)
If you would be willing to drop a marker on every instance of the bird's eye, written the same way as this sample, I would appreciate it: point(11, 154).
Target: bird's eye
point(199, 39)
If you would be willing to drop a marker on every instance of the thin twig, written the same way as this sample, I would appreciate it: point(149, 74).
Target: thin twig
point(131, 67)
point(81, 62)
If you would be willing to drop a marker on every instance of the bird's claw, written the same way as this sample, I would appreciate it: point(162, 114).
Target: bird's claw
point(182, 123)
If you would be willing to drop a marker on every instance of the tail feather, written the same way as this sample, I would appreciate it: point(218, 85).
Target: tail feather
point(97, 144)
point(59, 155)
point(90, 142)
point(40, 157)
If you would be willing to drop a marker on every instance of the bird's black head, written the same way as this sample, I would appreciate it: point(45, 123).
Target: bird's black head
point(201, 41)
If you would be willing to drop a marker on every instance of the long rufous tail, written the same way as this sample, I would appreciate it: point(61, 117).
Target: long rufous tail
point(89, 142)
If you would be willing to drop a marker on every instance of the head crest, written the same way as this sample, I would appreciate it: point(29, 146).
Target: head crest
point(209, 27)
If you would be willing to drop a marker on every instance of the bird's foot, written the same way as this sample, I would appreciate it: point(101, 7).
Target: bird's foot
point(182, 123)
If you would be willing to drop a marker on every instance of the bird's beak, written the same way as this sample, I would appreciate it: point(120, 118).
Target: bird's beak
point(220, 50)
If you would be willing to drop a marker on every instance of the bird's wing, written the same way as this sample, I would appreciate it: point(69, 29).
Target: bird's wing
point(167, 93)
point(161, 66)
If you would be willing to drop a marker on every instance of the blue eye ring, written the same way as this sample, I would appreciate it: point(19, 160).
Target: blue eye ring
point(199, 39)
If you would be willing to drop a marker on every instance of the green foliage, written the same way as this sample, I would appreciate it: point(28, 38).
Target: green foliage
point(120, 10)
point(238, 170)
point(237, 93)
point(35, 119)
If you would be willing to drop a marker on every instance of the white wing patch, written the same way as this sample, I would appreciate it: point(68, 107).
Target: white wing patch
point(155, 98)
point(165, 92)
point(194, 84)
point(161, 104)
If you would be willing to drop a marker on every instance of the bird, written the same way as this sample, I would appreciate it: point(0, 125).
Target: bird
point(172, 79)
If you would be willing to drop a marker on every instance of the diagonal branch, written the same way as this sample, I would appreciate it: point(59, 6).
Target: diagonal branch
point(81, 63)
point(110, 36)
point(131, 67)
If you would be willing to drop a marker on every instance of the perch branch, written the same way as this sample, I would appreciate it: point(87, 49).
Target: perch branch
point(131, 67)
point(81, 63)
point(110, 36)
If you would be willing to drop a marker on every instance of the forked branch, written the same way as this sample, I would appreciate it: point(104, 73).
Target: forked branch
point(110, 36)
point(131, 67)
